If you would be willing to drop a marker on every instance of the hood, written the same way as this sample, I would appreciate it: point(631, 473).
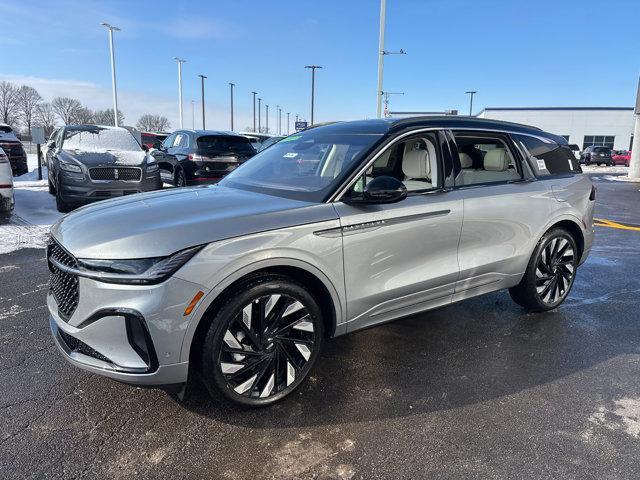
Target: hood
point(106, 157)
point(160, 223)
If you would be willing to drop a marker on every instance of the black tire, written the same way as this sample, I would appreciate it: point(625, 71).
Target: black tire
point(281, 347)
point(550, 273)
point(61, 204)
point(179, 179)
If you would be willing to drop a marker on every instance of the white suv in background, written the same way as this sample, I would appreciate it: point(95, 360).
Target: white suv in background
point(6, 184)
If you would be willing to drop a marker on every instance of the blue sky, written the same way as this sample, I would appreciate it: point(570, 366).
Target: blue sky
point(543, 53)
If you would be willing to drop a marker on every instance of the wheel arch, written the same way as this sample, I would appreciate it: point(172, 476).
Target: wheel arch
point(570, 224)
point(317, 283)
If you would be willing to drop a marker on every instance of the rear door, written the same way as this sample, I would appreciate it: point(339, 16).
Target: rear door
point(401, 258)
point(503, 211)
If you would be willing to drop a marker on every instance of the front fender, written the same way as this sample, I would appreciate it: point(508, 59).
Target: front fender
point(221, 264)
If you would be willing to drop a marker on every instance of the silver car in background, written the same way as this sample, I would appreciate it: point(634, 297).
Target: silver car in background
point(88, 163)
point(326, 232)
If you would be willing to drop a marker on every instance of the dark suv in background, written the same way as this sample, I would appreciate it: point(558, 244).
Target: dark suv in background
point(13, 149)
point(597, 155)
point(201, 156)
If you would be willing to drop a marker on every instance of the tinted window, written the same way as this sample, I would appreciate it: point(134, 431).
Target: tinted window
point(168, 141)
point(225, 144)
point(181, 140)
point(549, 158)
point(485, 158)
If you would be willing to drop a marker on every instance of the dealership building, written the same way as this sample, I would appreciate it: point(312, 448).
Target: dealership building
point(583, 126)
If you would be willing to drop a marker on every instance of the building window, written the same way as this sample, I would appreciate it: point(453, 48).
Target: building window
point(598, 141)
point(631, 143)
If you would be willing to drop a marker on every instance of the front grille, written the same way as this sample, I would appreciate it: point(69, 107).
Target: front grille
point(113, 173)
point(79, 346)
point(63, 286)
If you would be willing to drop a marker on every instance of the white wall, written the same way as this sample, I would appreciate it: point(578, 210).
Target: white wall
point(575, 123)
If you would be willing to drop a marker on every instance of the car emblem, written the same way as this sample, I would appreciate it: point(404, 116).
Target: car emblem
point(115, 173)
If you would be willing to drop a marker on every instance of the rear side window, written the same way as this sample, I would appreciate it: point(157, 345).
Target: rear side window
point(225, 144)
point(549, 158)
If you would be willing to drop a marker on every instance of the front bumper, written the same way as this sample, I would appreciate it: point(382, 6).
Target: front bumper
point(129, 333)
point(79, 189)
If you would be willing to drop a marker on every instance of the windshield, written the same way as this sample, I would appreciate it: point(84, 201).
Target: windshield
point(305, 166)
point(602, 150)
point(99, 138)
point(225, 144)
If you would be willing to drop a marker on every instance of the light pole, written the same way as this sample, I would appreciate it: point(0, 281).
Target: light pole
point(202, 77)
point(383, 10)
point(266, 122)
point(287, 123)
point(111, 29)
point(254, 110)
point(381, 53)
point(279, 119)
point(386, 101)
point(259, 114)
point(193, 114)
point(180, 62)
point(634, 162)
point(313, 86)
point(471, 93)
point(231, 85)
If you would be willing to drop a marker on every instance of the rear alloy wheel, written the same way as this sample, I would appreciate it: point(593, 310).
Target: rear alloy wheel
point(550, 274)
point(179, 179)
point(262, 344)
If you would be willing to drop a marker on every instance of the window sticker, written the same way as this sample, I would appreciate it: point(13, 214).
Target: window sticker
point(542, 165)
point(292, 138)
point(290, 155)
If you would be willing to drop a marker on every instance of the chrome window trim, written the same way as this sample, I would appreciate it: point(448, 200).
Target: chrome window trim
point(336, 197)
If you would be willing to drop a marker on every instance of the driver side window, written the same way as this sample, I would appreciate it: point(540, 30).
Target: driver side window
point(415, 161)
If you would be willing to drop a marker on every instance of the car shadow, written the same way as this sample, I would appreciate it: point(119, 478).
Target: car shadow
point(464, 354)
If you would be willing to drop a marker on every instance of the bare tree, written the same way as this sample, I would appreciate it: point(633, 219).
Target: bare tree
point(66, 108)
point(153, 123)
point(8, 103)
point(105, 117)
point(45, 117)
point(83, 116)
point(28, 100)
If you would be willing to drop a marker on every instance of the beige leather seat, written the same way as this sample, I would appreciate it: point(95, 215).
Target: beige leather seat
point(416, 167)
point(496, 168)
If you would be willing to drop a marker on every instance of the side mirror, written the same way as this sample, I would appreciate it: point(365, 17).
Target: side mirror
point(382, 190)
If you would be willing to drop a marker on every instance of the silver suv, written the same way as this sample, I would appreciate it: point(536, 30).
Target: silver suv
point(328, 231)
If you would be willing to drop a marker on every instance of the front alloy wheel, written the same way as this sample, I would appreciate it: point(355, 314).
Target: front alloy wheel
point(266, 343)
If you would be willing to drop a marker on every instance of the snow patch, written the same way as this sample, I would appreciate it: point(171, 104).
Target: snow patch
point(624, 416)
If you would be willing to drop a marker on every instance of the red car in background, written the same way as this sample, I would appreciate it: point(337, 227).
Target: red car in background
point(621, 157)
point(152, 140)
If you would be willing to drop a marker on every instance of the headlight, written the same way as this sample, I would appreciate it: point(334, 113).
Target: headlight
point(142, 271)
point(70, 167)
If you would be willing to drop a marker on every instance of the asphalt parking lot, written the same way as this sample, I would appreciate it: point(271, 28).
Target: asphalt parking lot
point(479, 389)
